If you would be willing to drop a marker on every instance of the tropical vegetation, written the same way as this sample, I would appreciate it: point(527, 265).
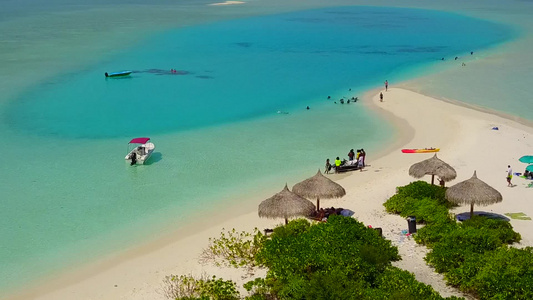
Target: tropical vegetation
point(474, 255)
point(337, 259)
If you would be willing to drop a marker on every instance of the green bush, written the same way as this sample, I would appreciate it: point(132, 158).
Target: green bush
point(335, 259)
point(189, 288)
point(235, 249)
point(473, 255)
point(425, 201)
point(506, 274)
point(435, 232)
point(452, 250)
point(422, 189)
point(395, 283)
point(501, 228)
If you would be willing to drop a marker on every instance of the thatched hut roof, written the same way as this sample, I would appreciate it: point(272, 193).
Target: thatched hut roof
point(319, 186)
point(285, 204)
point(435, 167)
point(473, 191)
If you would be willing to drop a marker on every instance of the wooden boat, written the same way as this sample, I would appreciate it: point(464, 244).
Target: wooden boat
point(425, 150)
point(118, 74)
point(139, 150)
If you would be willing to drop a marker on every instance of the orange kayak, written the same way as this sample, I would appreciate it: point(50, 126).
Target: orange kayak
point(425, 150)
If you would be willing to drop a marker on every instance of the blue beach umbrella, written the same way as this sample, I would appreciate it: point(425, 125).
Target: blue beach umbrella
point(529, 168)
point(528, 159)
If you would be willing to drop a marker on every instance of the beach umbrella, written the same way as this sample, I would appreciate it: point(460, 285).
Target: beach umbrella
point(319, 186)
point(285, 204)
point(528, 159)
point(529, 168)
point(433, 166)
point(473, 191)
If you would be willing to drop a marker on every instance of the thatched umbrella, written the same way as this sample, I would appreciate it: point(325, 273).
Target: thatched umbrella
point(318, 187)
point(433, 166)
point(473, 191)
point(285, 204)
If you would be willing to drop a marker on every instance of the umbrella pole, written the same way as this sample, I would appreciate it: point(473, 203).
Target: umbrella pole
point(286, 221)
point(471, 210)
point(317, 203)
point(432, 179)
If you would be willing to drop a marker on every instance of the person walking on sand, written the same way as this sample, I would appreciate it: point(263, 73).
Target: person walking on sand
point(386, 85)
point(509, 175)
point(380, 97)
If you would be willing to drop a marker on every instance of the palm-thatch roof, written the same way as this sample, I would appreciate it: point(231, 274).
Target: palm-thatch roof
point(319, 186)
point(285, 204)
point(433, 166)
point(473, 191)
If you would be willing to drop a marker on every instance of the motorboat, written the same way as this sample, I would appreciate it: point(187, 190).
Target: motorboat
point(118, 74)
point(139, 150)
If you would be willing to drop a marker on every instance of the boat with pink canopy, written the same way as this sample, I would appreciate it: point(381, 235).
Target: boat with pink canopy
point(139, 150)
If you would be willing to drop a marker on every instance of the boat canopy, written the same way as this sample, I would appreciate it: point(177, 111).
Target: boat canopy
point(141, 140)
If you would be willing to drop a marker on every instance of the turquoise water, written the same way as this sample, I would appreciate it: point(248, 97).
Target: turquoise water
point(71, 197)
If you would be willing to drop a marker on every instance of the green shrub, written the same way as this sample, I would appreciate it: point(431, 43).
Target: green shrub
point(501, 228)
point(294, 228)
point(435, 232)
point(426, 210)
point(189, 288)
point(506, 274)
point(425, 201)
point(395, 283)
point(342, 254)
point(398, 203)
point(258, 289)
point(473, 255)
point(422, 189)
point(452, 250)
point(235, 249)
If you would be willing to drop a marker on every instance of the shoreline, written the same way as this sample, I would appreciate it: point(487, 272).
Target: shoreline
point(121, 277)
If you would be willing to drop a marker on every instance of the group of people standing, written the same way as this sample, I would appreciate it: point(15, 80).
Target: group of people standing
point(354, 159)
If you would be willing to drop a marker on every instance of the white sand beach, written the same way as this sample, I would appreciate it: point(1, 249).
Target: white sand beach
point(467, 143)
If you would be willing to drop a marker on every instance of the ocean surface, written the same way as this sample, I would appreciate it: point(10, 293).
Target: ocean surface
point(67, 194)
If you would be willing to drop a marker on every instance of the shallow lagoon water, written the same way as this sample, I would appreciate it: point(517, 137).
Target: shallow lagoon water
point(218, 136)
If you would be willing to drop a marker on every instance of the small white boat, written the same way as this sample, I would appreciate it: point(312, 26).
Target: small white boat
point(139, 150)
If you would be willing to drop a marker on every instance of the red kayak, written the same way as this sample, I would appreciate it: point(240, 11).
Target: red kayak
point(425, 150)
